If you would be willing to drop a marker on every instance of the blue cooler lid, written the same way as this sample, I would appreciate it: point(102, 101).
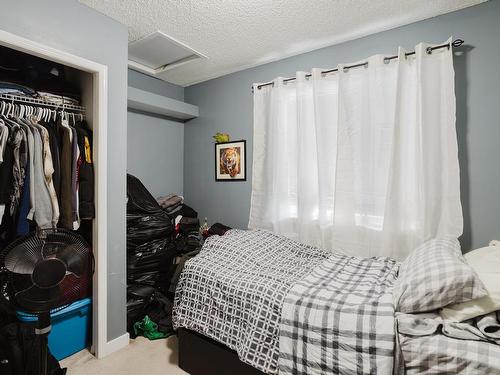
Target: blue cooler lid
point(28, 317)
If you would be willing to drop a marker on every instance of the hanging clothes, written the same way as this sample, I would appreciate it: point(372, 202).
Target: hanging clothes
point(18, 142)
point(27, 202)
point(74, 179)
point(54, 141)
point(46, 173)
point(66, 161)
point(4, 134)
point(5, 166)
point(30, 165)
point(48, 170)
point(6, 180)
point(23, 226)
point(43, 203)
point(86, 173)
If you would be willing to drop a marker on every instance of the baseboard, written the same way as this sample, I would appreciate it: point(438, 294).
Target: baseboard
point(115, 345)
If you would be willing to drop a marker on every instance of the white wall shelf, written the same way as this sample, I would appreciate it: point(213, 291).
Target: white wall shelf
point(145, 101)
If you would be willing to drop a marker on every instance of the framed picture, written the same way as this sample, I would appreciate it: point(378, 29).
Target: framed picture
point(230, 161)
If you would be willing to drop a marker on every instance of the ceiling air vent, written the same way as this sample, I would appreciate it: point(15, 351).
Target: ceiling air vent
point(158, 52)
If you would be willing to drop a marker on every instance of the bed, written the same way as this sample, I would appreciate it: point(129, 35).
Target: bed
point(253, 302)
point(262, 295)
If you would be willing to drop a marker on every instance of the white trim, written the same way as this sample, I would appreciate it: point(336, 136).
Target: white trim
point(141, 68)
point(116, 344)
point(100, 230)
point(162, 69)
point(101, 346)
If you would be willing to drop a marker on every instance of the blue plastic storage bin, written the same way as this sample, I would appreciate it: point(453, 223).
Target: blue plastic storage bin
point(71, 328)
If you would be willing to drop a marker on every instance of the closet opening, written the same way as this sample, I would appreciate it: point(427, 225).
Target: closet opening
point(57, 103)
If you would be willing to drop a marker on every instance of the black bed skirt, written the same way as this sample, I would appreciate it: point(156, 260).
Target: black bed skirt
point(200, 355)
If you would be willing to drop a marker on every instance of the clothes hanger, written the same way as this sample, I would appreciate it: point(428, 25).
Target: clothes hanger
point(9, 115)
point(3, 114)
point(64, 117)
point(15, 111)
point(2, 107)
point(7, 108)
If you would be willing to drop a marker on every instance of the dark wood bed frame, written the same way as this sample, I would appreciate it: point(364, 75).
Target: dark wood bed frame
point(200, 355)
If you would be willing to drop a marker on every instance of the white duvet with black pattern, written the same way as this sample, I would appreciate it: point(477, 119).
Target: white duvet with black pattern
point(233, 291)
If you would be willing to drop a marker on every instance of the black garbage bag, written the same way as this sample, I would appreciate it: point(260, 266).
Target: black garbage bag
point(139, 298)
point(142, 301)
point(160, 312)
point(147, 228)
point(150, 250)
point(140, 201)
point(151, 278)
point(146, 220)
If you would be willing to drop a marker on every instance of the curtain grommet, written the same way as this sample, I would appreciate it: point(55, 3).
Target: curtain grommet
point(345, 69)
point(429, 50)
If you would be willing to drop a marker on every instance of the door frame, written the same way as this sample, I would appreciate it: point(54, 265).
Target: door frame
point(100, 345)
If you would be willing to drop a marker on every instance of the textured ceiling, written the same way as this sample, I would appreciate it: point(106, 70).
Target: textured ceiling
point(237, 34)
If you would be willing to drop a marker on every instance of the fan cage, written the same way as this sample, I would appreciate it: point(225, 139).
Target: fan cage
point(54, 242)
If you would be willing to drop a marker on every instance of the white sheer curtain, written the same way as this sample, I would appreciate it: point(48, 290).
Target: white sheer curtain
point(363, 160)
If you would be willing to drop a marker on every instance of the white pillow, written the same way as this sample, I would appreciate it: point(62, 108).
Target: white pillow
point(435, 275)
point(486, 262)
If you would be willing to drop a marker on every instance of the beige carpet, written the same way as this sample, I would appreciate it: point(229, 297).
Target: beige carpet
point(140, 357)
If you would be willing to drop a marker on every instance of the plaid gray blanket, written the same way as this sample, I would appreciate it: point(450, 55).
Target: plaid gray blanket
point(340, 319)
point(233, 291)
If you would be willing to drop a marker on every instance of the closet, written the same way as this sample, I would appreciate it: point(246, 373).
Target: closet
point(46, 147)
point(52, 141)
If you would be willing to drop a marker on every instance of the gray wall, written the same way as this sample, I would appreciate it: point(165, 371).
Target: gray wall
point(155, 145)
point(156, 86)
point(72, 27)
point(155, 152)
point(226, 105)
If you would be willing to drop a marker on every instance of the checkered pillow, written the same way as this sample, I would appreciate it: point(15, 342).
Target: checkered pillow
point(434, 275)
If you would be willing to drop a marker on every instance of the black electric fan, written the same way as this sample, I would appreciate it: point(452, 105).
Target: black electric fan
point(46, 271)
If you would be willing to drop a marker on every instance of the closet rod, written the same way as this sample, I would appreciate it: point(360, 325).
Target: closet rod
point(455, 43)
point(40, 102)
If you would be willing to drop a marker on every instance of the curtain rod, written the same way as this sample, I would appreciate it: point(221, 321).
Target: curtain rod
point(455, 43)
